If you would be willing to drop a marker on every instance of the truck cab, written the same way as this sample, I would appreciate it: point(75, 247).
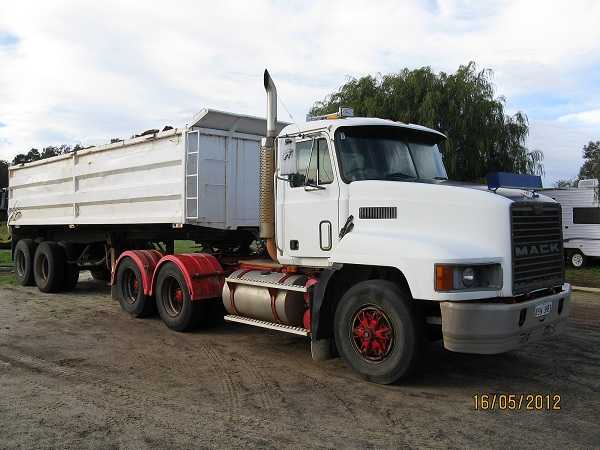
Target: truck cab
point(370, 198)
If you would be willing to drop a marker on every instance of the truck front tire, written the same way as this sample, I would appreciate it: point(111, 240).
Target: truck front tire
point(130, 290)
point(173, 300)
point(49, 267)
point(378, 332)
point(23, 256)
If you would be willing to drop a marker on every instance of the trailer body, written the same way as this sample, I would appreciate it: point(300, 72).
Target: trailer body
point(206, 174)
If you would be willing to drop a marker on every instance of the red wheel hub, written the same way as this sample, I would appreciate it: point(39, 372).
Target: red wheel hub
point(372, 333)
point(178, 295)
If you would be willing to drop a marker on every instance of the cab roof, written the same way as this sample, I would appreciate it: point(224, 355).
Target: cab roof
point(333, 124)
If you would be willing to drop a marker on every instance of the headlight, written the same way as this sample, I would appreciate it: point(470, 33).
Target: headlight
point(474, 277)
point(468, 277)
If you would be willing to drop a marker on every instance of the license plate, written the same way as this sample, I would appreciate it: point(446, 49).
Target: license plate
point(542, 309)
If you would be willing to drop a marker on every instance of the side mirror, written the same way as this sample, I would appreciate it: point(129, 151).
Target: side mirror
point(287, 156)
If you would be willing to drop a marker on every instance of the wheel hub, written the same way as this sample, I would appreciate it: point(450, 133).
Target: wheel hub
point(372, 333)
point(172, 297)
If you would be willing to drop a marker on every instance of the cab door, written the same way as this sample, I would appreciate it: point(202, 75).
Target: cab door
point(310, 202)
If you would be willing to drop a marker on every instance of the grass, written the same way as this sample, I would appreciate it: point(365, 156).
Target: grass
point(7, 279)
point(5, 258)
point(186, 247)
point(587, 276)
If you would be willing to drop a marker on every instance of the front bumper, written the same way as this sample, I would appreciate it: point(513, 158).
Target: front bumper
point(489, 328)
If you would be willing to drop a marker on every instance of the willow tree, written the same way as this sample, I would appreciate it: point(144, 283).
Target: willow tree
point(482, 138)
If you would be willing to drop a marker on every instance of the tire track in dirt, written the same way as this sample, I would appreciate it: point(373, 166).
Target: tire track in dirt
point(266, 392)
point(230, 388)
point(117, 398)
point(124, 395)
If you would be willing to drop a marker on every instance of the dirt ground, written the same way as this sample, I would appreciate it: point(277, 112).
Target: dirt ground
point(75, 371)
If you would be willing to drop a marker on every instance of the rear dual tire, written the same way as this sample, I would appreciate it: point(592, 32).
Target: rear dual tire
point(130, 290)
point(171, 297)
point(49, 267)
point(44, 265)
point(23, 258)
point(173, 300)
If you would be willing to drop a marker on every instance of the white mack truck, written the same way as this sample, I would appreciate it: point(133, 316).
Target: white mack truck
point(344, 230)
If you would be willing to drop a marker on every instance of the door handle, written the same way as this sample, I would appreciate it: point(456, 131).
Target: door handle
point(325, 235)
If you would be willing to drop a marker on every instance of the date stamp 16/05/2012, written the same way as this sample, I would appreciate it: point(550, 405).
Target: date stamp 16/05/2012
point(495, 401)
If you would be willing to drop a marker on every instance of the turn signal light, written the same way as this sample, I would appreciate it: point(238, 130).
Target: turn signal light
point(444, 278)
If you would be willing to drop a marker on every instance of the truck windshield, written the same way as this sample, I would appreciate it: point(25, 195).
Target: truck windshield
point(388, 153)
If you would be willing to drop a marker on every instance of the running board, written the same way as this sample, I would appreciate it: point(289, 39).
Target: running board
point(270, 325)
point(280, 286)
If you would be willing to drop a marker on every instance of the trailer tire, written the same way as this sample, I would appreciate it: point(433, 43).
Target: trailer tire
point(173, 300)
point(71, 277)
point(577, 259)
point(23, 257)
point(130, 290)
point(49, 267)
point(377, 332)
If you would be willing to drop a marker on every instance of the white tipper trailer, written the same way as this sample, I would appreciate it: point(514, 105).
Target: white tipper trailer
point(341, 229)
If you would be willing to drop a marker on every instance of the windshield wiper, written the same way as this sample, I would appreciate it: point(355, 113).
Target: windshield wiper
point(440, 178)
point(394, 175)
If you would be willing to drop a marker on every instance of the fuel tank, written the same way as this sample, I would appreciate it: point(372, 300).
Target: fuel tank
point(265, 302)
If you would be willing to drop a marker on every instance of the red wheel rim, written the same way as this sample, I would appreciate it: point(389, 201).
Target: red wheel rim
point(172, 296)
point(131, 286)
point(372, 333)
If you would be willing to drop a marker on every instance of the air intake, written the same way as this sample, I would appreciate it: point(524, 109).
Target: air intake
point(378, 212)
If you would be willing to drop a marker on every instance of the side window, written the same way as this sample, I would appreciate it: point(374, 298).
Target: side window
point(586, 216)
point(320, 164)
point(303, 149)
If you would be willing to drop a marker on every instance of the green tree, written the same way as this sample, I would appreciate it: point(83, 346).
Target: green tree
point(591, 161)
point(565, 183)
point(482, 138)
point(33, 155)
point(49, 152)
point(19, 159)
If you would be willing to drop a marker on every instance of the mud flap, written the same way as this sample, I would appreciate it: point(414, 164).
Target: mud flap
point(113, 292)
point(321, 350)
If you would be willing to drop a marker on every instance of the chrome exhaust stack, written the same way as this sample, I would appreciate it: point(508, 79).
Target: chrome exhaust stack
point(271, 105)
point(267, 170)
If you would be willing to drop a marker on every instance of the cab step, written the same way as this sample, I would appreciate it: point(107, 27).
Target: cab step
point(270, 325)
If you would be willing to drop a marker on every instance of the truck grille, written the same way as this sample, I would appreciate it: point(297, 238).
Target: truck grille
point(537, 247)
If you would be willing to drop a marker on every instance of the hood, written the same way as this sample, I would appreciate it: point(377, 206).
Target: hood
point(455, 220)
point(512, 194)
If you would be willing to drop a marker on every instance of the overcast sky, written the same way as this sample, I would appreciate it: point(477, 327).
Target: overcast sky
point(87, 71)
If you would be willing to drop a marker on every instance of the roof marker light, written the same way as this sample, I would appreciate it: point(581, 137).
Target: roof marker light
point(343, 112)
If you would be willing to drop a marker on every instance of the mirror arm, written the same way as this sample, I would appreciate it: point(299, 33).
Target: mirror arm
point(314, 187)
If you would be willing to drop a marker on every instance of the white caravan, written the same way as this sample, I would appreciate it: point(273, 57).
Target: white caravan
point(581, 220)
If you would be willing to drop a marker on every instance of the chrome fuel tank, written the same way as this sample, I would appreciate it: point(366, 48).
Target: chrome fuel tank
point(262, 299)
